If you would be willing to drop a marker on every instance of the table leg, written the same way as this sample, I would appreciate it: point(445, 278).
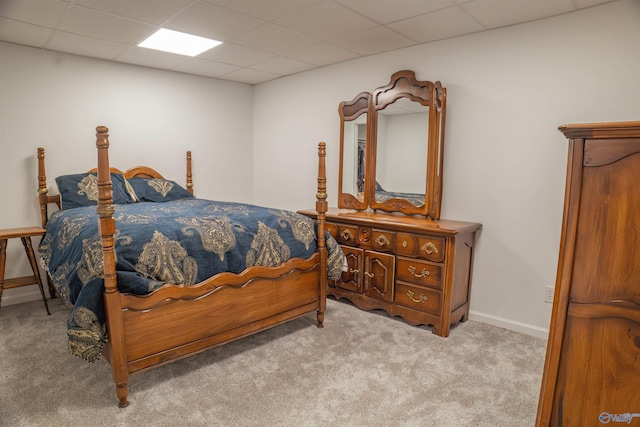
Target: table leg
point(3, 258)
point(52, 290)
point(26, 241)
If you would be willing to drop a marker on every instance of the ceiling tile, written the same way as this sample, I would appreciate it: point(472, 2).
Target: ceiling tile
point(283, 66)
point(384, 11)
point(153, 12)
point(375, 40)
point(247, 75)
point(151, 58)
point(265, 10)
point(21, 33)
point(88, 22)
point(208, 20)
point(499, 13)
point(39, 12)
point(234, 54)
point(450, 22)
point(325, 20)
point(322, 54)
point(275, 39)
point(86, 46)
point(205, 68)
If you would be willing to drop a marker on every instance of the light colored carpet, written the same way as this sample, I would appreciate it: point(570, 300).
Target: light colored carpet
point(362, 369)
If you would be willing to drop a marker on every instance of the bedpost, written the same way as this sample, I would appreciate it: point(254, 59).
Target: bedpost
point(43, 197)
point(42, 188)
point(189, 177)
point(321, 209)
point(107, 229)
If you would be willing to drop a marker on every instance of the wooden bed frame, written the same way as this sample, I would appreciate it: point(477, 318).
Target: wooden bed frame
point(177, 320)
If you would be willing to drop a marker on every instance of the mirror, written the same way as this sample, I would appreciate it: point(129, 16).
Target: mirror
point(400, 132)
point(353, 148)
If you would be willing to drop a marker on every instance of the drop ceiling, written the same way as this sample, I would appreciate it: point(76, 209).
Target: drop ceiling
point(263, 39)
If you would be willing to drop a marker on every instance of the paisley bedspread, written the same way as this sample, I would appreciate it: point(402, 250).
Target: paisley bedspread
point(182, 241)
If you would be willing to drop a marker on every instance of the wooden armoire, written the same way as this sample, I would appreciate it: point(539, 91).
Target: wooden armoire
point(592, 368)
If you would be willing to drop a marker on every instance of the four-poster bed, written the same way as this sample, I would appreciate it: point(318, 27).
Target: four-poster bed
point(175, 319)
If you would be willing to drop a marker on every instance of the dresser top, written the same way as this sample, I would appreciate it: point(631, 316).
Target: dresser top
point(398, 222)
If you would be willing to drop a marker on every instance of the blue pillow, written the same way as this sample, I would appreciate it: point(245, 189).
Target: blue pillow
point(156, 190)
point(82, 190)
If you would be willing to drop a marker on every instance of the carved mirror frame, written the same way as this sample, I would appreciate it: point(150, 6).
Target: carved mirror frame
point(402, 85)
point(349, 112)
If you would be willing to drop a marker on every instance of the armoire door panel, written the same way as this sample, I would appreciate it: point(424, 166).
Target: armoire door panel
point(598, 152)
point(602, 358)
point(607, 251)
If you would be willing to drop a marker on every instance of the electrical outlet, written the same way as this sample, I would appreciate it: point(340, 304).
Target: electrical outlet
point(548, 293)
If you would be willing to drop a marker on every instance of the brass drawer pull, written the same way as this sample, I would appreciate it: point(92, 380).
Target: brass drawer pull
point(346, 235)
point(424, 272)
point(429, 248)
point(382, 240)
point(356, 272)
point(366, 273)
point(423, 297)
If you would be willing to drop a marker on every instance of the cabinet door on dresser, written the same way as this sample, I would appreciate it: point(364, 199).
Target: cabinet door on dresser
point(368, 272)
point(379, 275)
point(351, 279)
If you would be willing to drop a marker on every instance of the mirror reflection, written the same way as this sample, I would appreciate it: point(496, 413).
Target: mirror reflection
point(354, 150)
point(402, 151)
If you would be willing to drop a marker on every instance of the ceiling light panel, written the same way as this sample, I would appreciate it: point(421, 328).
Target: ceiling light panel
point(177, 42)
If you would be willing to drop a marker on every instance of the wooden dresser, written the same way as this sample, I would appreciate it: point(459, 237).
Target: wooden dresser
point(402, 258)
point(592, 368)
point(411, 267)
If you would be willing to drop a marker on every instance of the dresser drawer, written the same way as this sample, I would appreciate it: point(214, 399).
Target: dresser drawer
point(405, 244)
point(347, 234)
point(382, 240)
point(417, 298)
point(419, 272)
point(332, 229)
point(431, 248)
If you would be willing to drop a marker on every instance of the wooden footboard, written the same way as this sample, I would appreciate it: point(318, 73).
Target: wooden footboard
point(179, 320)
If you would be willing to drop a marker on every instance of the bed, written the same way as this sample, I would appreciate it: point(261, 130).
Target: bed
point(165, 282)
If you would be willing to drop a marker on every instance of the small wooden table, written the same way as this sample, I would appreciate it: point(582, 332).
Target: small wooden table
point(25, 235)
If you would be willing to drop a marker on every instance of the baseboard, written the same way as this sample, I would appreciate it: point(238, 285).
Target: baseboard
point(509, 324)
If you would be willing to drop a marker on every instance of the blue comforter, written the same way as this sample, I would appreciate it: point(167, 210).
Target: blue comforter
point(183, 241)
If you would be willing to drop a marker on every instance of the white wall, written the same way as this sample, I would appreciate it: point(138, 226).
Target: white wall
point(56, 100)
point(505, 161)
